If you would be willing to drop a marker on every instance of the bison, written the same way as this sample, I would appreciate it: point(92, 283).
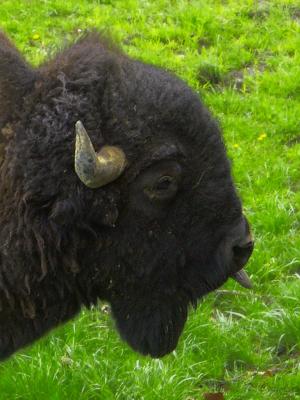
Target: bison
point(115, 185)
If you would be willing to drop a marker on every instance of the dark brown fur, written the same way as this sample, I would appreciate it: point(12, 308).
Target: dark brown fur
point(63, 245)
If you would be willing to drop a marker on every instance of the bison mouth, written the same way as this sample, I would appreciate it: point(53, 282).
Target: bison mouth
point(241, 256)
point(151, 329)
point(154, 328)
point(152, 321)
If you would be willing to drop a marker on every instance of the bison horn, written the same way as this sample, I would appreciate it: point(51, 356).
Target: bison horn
point(96, 169)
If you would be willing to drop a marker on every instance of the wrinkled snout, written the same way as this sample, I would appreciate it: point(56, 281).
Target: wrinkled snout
point(239, 246)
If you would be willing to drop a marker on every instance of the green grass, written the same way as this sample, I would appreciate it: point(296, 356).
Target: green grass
point(243, 57)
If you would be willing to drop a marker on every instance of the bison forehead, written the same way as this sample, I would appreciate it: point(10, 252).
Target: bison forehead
point(148, 102)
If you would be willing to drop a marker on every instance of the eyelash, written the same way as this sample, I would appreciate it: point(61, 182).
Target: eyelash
point(160, 185)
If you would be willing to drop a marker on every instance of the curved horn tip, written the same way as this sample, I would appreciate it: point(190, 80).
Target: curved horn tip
point(96, 169)
point(78, 124)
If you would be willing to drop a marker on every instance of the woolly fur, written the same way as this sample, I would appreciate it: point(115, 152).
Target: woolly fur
point(64, 245)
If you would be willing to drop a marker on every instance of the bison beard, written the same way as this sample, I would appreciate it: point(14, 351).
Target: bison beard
point(150, 223)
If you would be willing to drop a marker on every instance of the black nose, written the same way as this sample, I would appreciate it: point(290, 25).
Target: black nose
point(242, 252)
point(241, 243)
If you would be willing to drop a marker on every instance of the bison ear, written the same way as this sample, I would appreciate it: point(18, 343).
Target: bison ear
point(16, 80)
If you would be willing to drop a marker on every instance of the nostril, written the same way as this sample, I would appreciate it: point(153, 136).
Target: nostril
point(242, 252)
point(244, 247)
point(239, 245)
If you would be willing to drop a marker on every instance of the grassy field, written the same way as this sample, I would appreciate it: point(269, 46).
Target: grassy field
point(243, 57)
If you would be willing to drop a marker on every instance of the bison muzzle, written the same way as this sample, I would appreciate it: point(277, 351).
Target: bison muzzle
point(115, 185)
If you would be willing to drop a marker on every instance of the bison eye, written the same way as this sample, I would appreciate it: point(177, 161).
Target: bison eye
point(166, 184)
point(162, 189)
point(155, 186)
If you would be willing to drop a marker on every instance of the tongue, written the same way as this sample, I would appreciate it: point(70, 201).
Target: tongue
point(242, 278)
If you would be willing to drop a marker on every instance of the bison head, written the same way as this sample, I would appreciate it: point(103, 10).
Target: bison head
point(152, 224)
